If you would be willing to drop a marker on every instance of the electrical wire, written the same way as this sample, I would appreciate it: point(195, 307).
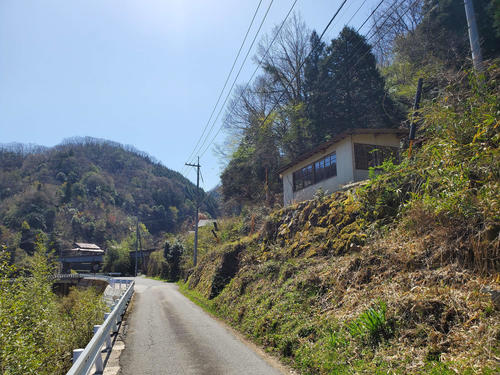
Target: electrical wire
point(239, 71)
point(321, 36)
point(350, 19)
point(227, 79)
point(294, 77)
point(380, 38)
point(351, 62)
point(255, 70)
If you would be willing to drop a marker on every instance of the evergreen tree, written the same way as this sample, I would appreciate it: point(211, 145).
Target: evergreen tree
point(346, 89)
point(172, 255)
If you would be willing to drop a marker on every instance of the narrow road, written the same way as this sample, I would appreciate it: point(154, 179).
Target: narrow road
point(168, 334)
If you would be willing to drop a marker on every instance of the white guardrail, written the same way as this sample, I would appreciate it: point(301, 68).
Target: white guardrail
point(85, 359)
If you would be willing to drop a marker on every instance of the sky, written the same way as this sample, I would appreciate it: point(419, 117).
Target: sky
point(145, 73)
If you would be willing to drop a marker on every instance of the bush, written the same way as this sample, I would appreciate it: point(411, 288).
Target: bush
point(38, 331)
point(372, 326)
point(117, 259)
point(172, 254)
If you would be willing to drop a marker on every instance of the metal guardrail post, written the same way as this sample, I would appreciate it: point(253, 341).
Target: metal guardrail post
point(108, 335)
point(115, 319)
point(76, 354)
point(99, 365)
point(85, 359)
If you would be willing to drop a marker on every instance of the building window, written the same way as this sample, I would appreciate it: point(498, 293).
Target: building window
point(325, 168)
point(315, 172)
point(367, 156)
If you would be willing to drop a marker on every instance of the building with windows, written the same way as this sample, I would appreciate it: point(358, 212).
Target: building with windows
point(340, 161)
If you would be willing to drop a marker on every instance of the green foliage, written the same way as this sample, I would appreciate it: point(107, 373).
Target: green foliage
point(442, 35)
point(117, 259)
point(420, 235)
point(172, 254)
point(372, 326)
point(89, 190)
point(38, 331)
point(251, 175)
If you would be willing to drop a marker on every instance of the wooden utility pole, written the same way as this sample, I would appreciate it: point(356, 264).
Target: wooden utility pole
point(140, 248)
point(475, 46)
point(136, 243)
point(195, 252)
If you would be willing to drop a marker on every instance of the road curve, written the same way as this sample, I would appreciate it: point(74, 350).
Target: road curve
point(168, 334)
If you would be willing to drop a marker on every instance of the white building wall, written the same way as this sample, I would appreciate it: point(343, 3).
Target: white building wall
point(344, 153)
point(346, 172)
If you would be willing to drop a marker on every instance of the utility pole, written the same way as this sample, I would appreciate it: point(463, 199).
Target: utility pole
point(140, 250)
point(475, 47)
point(136, 243)
point(195, 252)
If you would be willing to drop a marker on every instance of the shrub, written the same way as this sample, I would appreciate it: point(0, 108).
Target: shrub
point(38, 331)
point(372, 326)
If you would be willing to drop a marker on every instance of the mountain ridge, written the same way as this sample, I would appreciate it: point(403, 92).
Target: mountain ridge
point(89, 189)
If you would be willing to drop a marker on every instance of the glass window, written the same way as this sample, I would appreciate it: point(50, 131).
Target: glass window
point(367, 156)
point(315, 172)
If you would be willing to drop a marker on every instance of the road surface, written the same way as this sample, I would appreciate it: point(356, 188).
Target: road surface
point(168, 334)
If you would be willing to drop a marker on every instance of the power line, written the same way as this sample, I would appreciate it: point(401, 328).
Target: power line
point(295, 76)
point(227, 79)
point(239, 71)
point(371, 14)
point(321, 36)
point(358, 44)
point(350, 19)
point(254, 72)
point(381, 36)
point(346, 10)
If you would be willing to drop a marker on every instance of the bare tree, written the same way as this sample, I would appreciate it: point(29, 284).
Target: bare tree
point(393, 20)
point(281, 54)
point(284, 60)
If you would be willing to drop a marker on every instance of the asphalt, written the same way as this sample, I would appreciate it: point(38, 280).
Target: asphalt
point(168, 334)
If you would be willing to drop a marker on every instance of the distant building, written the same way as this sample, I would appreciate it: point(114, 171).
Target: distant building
point(81, 248)
point(340, 161)
point(83, 257)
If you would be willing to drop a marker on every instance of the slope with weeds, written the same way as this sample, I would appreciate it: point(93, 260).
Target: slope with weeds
point(394, 277)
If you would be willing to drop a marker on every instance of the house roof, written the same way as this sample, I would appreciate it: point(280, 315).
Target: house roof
point(80, 250)
point(204, 222)
point(86, 246)
point(323, 146)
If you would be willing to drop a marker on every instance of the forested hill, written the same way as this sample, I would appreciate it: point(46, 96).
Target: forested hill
point(89, 190)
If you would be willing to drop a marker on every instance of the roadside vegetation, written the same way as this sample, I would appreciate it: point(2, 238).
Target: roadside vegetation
point(392, 277)
point(399, 275)
point(38, 329)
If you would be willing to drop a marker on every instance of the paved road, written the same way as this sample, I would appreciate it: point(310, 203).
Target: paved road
point(168, 334)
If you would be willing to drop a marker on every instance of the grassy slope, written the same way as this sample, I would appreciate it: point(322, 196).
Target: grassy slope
point(386, 279)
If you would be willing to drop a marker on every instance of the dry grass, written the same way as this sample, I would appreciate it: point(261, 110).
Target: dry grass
point(317, 266)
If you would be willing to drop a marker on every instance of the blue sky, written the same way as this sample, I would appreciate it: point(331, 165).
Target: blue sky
point(139, 72)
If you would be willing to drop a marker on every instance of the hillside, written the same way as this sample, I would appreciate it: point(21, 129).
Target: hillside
point(89, 190)
point(398, 276)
